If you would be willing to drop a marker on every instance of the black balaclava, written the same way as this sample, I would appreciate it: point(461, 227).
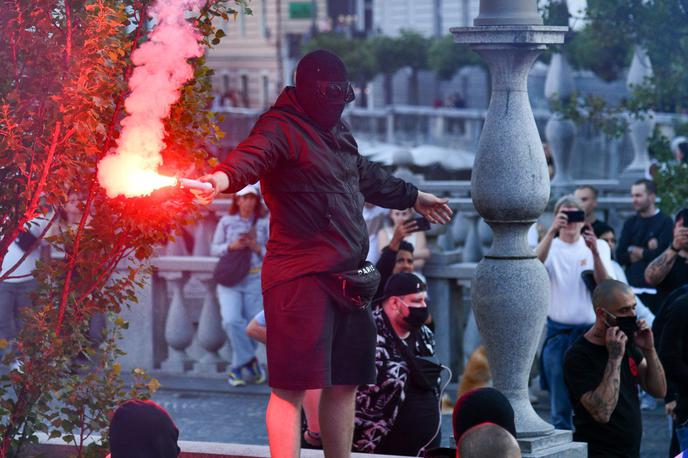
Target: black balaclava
point(142, 429)
point(320, 66)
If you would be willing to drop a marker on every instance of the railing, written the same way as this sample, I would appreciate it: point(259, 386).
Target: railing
point(176, 327)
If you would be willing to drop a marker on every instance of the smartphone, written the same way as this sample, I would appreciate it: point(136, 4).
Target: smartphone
point(422, 224)
point(575, 216)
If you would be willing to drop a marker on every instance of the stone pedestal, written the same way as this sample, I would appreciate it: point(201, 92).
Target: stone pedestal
point(510, 189)
point(555, 445)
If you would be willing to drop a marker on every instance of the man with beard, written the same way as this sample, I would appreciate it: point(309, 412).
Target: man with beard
point(315, 183)
point(400, 414)
point(603, 369)
point(644, 236)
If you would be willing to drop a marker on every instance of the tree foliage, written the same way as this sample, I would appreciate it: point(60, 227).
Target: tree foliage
point(446, 57)
point(605, 45)
point(62, 88)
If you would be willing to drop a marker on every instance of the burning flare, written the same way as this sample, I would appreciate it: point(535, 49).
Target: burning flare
point(161, 69)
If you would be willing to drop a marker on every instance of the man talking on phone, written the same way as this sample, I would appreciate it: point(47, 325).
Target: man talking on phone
point(568, 249)
point(315, 183)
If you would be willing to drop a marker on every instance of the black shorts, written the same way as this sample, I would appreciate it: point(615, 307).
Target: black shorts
point(311, 343)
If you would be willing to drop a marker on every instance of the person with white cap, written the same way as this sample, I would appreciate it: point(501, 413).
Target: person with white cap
point(246, 226)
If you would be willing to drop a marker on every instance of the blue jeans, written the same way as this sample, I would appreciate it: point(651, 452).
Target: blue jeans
point(238, 305)
point(559, 339)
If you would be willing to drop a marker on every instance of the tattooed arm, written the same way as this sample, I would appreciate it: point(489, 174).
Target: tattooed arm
point(658, 269)
point(601, 402)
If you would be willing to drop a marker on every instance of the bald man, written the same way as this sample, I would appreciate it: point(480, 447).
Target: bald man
point(488, 439)
point(603, 369)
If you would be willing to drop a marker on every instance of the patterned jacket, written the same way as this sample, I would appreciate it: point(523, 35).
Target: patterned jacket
point(377, 405)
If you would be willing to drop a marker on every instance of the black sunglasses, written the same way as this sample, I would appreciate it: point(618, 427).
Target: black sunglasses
point(336, 91)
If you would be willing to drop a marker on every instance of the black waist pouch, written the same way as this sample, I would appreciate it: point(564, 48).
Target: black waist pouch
point(353, 290)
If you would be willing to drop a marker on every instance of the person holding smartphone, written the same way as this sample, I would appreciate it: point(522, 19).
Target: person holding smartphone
point(664, 272)
point(567, 250)
point(413, 231)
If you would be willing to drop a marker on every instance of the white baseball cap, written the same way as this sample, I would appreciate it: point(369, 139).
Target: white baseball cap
point(250, 189)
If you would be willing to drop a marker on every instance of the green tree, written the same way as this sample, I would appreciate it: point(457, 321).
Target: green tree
point(62, 88)
point(415, 57)
point(390, 58)
point(445, 57)
point(605, 46)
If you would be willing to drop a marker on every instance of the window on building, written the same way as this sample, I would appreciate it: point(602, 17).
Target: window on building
point(225, 84)
point(265, 94)
point(264, 31)
point(244, 90)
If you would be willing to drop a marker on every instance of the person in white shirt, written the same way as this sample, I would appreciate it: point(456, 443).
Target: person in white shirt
point(16, 289)
point(567, 250)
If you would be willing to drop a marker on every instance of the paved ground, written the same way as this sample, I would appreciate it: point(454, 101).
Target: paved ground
point(211, 410)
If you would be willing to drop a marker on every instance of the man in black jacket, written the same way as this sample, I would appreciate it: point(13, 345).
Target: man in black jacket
point(315, 183)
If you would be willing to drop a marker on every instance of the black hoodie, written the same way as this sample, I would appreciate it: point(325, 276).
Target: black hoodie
point(314, 183)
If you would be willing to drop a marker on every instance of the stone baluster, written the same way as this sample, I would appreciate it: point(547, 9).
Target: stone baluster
point(210, 335)
point(510, 189)
point(179, 330)
point(176, 247)
point(473, 247)
point(459, 228)
point(389, 126)
point(639, 129)
point(560, 132)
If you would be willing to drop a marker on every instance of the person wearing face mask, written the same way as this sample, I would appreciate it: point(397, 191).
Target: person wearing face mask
point(568, 249)
point(314, 183)
point(603, 369)
point(400, 414)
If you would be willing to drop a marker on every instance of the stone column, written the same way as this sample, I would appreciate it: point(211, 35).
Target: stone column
point(560, 132)
point(510, 188)
point(639, 129)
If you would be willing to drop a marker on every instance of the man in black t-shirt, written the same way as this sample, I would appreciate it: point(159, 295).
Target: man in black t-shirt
point(603, 369)
point(644, 236)
point(669, 271)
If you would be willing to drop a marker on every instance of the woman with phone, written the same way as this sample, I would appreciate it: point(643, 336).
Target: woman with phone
point(405, 227)
point(246, 226)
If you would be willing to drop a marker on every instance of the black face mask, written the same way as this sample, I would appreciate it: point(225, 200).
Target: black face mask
point(627, 324)
point(322, 88)
point(417, 316)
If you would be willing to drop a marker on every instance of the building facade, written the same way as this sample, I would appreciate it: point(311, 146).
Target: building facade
point(257, 57)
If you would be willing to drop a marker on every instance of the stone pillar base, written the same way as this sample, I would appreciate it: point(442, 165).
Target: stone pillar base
point(558, 444)
point(210, 364)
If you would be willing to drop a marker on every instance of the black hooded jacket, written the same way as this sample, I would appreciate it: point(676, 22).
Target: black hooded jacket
point(315, 183)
